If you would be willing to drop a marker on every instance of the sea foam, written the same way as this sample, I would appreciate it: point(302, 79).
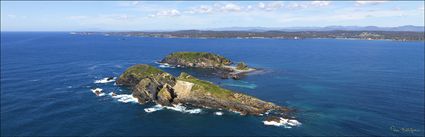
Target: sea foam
point(184, 109)
point(99, 90)
point(124, 98)
point(178, 107)
point(218, 113)
point(287, 123)
point(105, 80)
point(165, 65)
point(153, 109)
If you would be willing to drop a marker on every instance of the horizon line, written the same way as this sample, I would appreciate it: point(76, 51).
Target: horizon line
point(216, 29)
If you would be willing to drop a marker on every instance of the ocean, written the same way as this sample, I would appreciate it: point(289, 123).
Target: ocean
point(337, 87)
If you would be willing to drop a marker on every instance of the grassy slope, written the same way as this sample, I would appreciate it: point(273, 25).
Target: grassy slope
point(205, 86)
point(141, 71)
point(242, 66)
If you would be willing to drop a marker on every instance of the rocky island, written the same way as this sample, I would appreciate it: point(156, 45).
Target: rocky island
point(221, 65)
point(150, 84)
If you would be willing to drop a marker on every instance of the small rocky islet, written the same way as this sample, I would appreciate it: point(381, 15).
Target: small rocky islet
point(150, 84)
point(204, 60)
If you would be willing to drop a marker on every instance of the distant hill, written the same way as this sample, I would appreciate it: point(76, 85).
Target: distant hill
point(328, 28)
point(277, 34)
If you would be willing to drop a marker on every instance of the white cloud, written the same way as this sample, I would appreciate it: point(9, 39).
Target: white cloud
point(217, 8)
point(270, 6)
point(264, 6)
point(169, 13)
point(77, 17)
point(296, 6)
point(134, 2)
point(320, 3)
point(123, 17)
point(201, 9)
point(313, 4)
point(249, 7)
point(106, 18)
point(361, 3)
point(230, 7)
point(261, 5)
point(128, 3)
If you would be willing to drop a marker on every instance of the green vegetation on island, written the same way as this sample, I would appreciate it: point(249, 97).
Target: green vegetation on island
point(138, 72)
point(242, 66)
point(196, 59)
point(220, 64)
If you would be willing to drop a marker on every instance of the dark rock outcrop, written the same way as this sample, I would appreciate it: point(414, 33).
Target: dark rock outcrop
point(166, 95)
point(235, 76)
point(273, 118)
point(146, 81)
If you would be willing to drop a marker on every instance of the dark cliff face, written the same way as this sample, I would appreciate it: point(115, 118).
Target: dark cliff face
point(196, 59)
point(153, 85)
point(146, 81)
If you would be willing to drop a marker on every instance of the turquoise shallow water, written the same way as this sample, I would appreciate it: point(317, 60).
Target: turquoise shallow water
point(338, 87)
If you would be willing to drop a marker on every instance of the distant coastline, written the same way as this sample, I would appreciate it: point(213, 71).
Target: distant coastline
point(336, 34)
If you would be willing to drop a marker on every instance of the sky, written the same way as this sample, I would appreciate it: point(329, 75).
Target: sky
point(181, 15)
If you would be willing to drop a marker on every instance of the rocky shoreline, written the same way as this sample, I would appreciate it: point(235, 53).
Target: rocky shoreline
point(150, 84)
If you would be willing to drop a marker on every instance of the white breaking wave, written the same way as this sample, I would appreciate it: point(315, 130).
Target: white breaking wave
point(268, 111)
point(154, 108)
point(219, 113)
point(287, 123)
point(183, 109)
point(237, 112)
point(98, 91)
point(178, 107)
point(105, 80)
point(125, 98)
point(165, 65)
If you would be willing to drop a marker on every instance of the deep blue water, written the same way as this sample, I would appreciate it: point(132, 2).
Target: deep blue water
point(338, 87)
